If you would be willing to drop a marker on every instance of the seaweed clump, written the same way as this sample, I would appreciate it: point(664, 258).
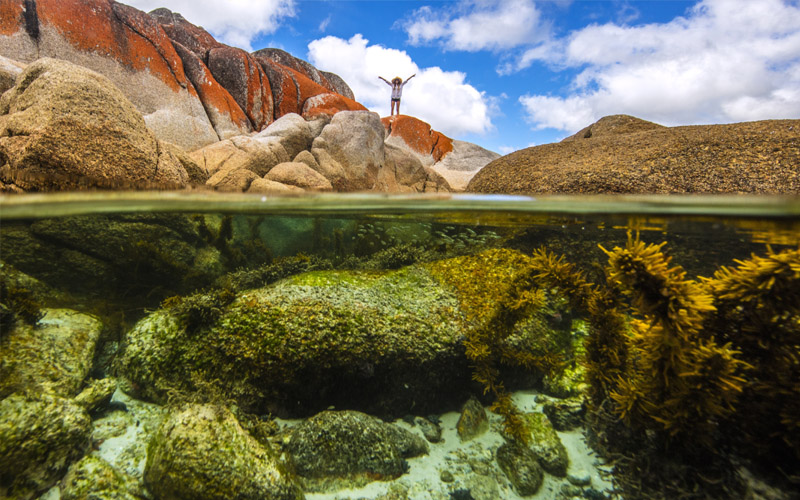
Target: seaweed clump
point(498, 295)
point(680, 369)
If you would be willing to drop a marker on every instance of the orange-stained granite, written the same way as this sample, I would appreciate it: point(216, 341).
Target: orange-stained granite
point(418, 135)
point(11, 17)
point(212, 94)
point(329, 104)
point(283, 86)
point(115, 30)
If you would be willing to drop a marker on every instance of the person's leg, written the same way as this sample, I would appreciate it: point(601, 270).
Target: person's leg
point(392, 112)
point(398, 106)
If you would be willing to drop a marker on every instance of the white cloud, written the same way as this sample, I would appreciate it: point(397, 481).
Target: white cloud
point(233, 22)
point(441, 98)
point(725, 61)
point(474, 25)
point(324, 24)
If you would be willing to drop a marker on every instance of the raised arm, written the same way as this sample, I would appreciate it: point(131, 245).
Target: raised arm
point(409, 78)
point(385, 80)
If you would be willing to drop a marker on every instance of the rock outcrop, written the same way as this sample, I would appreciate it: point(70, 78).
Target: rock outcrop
point(66, 127)
point(191, 89)
point(344, 153)
point(621, 154)
point(455, 162)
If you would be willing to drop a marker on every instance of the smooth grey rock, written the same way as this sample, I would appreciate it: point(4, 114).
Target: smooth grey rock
point(293, 132)
point(300, 175)
point(350, 150)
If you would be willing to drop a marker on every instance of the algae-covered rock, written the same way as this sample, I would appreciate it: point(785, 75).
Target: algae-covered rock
point(337, 449)
point(97, 394)
point(94, 478)
point(300, 345)
point(119, 256)
point(546, 444)
point(472, 422)
point(40, 436)
point(521, 466)
point(565, 415)
point(55, 355)
point(201, 451)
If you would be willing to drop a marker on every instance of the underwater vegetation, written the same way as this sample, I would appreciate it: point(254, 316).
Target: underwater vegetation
point(673, 362)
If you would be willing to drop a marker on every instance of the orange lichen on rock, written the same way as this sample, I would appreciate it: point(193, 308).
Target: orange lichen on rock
point(418, 135)
point(242, 76)
point(329, 104)
point(212, 94)
point(11, 13)
point(115, 30)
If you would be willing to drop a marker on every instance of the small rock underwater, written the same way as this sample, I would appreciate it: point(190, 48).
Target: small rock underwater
point(472, 351)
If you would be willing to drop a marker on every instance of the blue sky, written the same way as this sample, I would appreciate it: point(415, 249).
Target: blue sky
point(508, 74)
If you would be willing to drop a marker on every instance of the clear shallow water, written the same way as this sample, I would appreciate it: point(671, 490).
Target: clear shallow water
point(121, 256)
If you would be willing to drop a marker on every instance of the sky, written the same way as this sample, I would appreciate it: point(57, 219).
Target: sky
point(509, 74)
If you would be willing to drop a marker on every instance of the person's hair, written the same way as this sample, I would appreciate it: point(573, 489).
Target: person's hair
point(397, 79)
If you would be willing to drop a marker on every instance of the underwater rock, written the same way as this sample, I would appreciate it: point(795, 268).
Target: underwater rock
point(565, 415)
point(66, 127)
point(124, 255)
point(473, 421)
point(40, 436)
point(338, 449)
point(55, 355)
point(431, 430)
point(300, 345)
point(521, 466)
point(201, 451)
point(94, 478)
point(97, 394)
point(566, 384)
point(545, 444)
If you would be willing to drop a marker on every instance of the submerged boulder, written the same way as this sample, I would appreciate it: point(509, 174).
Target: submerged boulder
point(66, 127)
point(92, 477)
point(338, 449)
point(54, 355)
point(201, 451)
point(300, 345)
point(521, 466)
point(546, 444)
point(40, 436)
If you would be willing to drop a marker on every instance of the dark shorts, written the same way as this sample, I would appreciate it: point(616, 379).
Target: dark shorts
point(395, 99)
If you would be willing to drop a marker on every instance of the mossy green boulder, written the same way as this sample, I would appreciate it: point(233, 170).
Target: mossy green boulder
point(201, 451)
point(55, 355)
point(40, 436)
point(302, 344)
point(347, 449)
